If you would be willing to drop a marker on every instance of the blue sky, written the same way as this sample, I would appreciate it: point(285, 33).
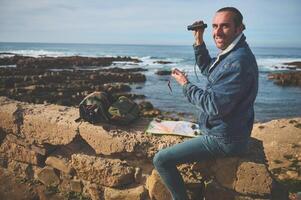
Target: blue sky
point(268, 22)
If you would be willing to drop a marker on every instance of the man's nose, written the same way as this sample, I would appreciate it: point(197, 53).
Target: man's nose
point(218, 31)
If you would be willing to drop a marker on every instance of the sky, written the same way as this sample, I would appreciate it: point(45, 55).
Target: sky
point(269, 22)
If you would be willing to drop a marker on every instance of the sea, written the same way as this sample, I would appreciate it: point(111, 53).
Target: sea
point(273, 101)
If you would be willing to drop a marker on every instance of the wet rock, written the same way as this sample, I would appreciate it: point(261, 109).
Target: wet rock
point(48, 176)
point(163, 72)
point(162, 62)
point(286, 78)
point(138, 193)
point(107, 172)
point(68, 62)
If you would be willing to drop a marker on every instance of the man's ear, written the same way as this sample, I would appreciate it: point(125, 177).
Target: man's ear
point(240, 28)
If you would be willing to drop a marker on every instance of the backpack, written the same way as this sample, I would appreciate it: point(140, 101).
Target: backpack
point(94, 107)
point(123, 111)
point(101, 107)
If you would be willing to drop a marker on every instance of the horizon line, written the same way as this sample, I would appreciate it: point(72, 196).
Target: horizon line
point(140, 44)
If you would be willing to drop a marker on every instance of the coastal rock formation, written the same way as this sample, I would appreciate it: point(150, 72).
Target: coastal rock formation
point(286, 78)
point(105, 161)
point(62, 62)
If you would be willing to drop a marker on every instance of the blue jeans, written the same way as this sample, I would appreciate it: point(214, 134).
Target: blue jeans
point(198, 149)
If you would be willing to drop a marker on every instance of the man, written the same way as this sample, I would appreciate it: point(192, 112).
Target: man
point(226, 104)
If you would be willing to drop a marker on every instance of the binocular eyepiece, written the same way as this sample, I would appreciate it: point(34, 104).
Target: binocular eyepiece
point(194, 27)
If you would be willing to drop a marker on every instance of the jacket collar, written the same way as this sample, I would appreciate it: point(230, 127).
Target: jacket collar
point(240, 38)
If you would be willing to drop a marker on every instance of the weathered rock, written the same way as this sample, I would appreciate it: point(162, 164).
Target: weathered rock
point(156, 189)
point(7, 117)
point(20, 169)
point(48, 176)
point(31, 121)
point(59, 164)
point(253, 178)
point(76, 186)
point(93, 191)
point(3, 162)
point(100, 140)
point(56, 126)
point(138, 193)
point(20, 153)
point(107, 172)
point(285, 136)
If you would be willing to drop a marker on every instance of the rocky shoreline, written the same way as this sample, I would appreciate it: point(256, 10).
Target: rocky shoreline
point(50, 156)
point(53, 157)
point(67, 80)
point(290, 77)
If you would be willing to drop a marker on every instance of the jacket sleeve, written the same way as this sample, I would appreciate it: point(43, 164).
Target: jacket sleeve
point(221, 96)
point(202, 58)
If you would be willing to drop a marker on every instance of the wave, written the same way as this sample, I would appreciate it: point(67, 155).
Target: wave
point(274, 64)
point(37, 53)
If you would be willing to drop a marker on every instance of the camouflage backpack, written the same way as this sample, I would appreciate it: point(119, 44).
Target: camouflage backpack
point(124, 111)
point(101, 107)
point(94, 107)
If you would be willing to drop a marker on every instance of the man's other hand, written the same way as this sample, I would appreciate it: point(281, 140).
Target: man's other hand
point(180, 77)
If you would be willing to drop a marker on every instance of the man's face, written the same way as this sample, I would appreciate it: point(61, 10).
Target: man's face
point(224, 29)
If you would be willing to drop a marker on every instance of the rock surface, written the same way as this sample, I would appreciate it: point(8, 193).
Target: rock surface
point(107, 172)
point(119, 159)
point(137, 193)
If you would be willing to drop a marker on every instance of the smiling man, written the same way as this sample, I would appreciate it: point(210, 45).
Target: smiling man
point(225, 104)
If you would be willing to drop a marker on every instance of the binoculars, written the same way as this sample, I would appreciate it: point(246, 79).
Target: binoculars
point(194, 27)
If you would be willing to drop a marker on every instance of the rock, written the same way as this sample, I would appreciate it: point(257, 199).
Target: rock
point(3, 162)
point(286, 78)
point(156, 189)
point(93, 191)
point(137, 193)
point(292, 174)
point(162, 62)
point(2, 135)
point(59, 164)
point(20, 169)
point(253, 178)
point(100, 140)
point(20, 153)
point(76, 186)
point(7, 118)
point(163, 72)
point(47, 127)
point(102, 171)
point(48, 176)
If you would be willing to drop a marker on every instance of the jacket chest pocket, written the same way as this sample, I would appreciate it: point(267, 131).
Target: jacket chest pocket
point(213, 76)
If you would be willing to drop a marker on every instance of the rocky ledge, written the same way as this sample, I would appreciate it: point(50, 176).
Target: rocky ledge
point(54, 156)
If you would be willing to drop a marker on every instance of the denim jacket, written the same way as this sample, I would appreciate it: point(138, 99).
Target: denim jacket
point(226, 104)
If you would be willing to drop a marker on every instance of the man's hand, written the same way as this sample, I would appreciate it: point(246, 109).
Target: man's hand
point(180, 77)
point(198, 34)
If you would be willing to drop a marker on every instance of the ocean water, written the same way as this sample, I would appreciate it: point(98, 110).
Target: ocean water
point(272, 101)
